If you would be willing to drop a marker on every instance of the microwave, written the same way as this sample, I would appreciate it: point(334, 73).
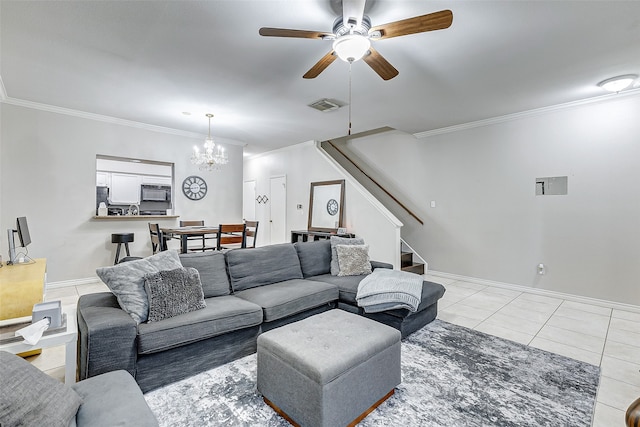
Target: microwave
point(155, 193)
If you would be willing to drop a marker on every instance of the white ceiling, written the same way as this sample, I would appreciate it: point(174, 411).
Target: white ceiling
point(148, 61)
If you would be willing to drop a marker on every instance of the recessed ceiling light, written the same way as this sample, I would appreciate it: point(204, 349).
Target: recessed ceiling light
point(616, 84)
point(186, 113)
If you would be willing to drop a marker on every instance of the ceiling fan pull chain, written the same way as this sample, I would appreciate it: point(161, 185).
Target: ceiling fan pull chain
point(349, 130)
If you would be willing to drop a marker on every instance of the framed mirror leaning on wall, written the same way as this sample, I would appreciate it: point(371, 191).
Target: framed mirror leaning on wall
point(326, 206)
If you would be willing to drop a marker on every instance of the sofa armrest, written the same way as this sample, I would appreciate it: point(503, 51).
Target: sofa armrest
point(380, 264)
point(112, 399)
point(106, 336)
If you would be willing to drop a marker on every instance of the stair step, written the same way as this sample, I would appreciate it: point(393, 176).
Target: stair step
point(406, 259)
point(417, 268)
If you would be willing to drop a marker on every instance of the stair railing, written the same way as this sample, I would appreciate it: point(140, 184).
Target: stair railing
point(375, 182)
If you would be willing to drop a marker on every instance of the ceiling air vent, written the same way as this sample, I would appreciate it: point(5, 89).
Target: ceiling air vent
point(324, 105)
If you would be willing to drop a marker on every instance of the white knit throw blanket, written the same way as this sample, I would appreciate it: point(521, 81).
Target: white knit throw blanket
point(386, 289)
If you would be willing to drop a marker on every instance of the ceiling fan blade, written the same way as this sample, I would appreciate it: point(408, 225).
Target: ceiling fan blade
point(320, 66)
point(353, 10)
point(286, 32)
point(380, 65)
point(417, 24)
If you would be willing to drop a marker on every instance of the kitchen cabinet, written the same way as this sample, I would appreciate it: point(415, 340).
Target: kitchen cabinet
point(156, 180)
point(102, 179)
point(125, 189)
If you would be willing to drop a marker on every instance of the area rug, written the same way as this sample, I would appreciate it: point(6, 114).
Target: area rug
point(451, 376)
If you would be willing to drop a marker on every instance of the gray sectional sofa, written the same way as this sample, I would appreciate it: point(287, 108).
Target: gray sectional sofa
point(247, 291)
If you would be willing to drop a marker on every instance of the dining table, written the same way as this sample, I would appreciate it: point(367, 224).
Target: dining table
point(183, 233)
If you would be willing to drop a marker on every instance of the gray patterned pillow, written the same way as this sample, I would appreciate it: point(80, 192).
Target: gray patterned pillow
point(126, 281)
point(29, 397)
point(335, 240)
point(353, 260)
point(173, 292)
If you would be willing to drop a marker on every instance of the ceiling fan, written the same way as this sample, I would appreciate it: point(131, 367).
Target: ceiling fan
point(352, 35)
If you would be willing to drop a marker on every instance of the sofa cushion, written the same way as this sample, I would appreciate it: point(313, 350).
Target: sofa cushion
point(112, 399)
point(315, 257)
point(249, 268)
point(29, 397)
point(221, 315)
point(173, 292)
point(335, 241)
point(126, 281)
point(347, 285)
point(213, 271)
point(283, 299)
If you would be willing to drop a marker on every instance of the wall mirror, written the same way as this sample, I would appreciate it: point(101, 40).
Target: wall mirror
point(326, 204)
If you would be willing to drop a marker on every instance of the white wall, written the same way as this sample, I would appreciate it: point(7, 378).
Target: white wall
point(47, 171)
point(303, 164)
point(489, 224)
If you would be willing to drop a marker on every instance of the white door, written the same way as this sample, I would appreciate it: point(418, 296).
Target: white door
point(249, 201)
point(278, 209)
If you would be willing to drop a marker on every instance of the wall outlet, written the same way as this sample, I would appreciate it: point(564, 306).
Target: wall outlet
point(542, 269)
point(433, 203)
point(299, 207)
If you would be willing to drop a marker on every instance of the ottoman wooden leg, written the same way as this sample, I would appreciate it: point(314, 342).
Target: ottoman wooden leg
point(351, 424)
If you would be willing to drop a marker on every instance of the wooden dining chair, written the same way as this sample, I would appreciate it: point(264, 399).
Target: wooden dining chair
point(252, 233)
point(232, 236)
point(158, 242)
point(202, 239)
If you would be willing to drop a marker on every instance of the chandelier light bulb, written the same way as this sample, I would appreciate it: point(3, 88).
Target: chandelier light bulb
point(213, 156)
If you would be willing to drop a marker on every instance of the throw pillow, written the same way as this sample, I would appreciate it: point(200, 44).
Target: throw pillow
point(126, 281)
point(353, 260)
point(30, 397)
point(335, 240)
point(173, 292)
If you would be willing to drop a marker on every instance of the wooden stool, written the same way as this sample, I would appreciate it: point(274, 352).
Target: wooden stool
point(633, 414)
point(121, 238)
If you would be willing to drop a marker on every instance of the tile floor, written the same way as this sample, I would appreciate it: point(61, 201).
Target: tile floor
point(606, 337)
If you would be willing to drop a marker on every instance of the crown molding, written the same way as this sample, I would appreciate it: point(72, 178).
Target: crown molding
point(528, 113)
point(280, 150)
point(105, 119)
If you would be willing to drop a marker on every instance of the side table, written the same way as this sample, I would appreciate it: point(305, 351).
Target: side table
point(68, 338)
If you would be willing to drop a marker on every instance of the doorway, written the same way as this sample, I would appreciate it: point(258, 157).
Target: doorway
point(278, 209)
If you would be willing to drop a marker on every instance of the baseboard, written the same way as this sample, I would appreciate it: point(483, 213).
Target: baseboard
point(544, 292)
point(74, 282)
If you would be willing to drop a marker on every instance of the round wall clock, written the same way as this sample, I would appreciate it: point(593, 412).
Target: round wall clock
point(332, 207)
point(194, 187)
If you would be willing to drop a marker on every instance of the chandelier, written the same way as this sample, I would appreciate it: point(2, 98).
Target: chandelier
point(212, 157)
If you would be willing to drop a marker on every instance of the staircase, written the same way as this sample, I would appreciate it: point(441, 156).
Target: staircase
point(408, 264)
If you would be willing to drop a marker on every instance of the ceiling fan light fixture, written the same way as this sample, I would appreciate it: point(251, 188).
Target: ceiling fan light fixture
point(351, 47)
point(619, 83)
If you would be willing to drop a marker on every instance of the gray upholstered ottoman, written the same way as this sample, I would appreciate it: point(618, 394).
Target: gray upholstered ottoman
point(330, 369)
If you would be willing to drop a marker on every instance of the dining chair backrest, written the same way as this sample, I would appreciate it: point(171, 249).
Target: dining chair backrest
point(158, 242)
point(232, 236)
point(252, 233)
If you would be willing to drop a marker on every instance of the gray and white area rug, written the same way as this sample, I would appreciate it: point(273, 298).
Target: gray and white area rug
point(451, 376)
